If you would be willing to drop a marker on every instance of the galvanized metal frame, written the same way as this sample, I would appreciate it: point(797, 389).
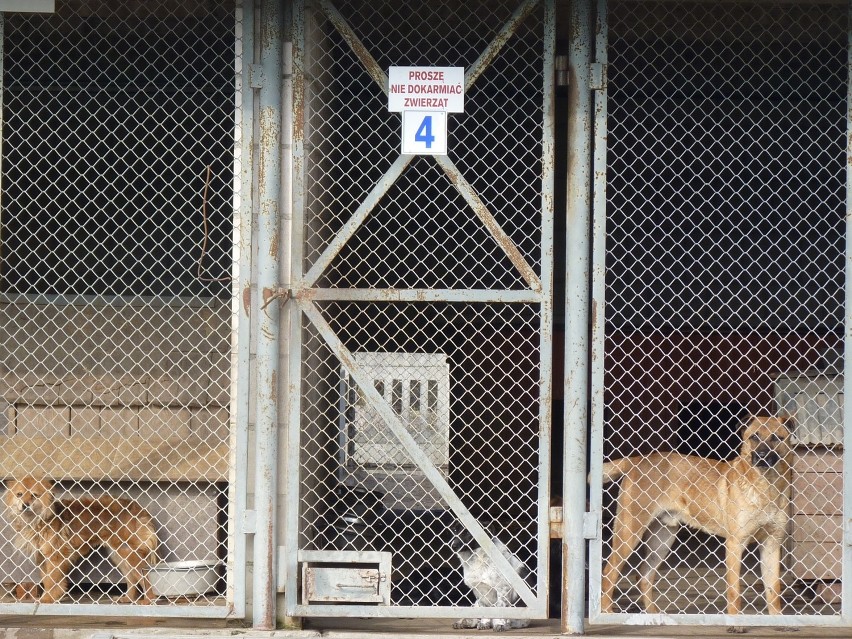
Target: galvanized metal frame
point(540, 291)
point(577, 313)
point(844, 619)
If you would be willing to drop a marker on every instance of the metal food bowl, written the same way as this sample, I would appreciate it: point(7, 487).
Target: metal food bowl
point(183, 578)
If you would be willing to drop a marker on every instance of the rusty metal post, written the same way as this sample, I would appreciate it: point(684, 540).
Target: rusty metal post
point(268, 80)
point(577, 316)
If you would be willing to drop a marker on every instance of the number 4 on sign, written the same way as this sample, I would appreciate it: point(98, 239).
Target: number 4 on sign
point(424, 132)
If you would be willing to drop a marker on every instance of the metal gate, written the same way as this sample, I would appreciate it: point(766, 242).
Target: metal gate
point(116, 315)
point(722, 265)
point(421, 286)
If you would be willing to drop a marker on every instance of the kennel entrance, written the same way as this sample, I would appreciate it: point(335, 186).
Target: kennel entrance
point(116, 352)
point(421, 314)
point(722, 271)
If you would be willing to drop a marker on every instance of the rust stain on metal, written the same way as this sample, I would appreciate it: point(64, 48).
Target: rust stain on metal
point(247, 300)
point(363, 54)
point(298, 105)
point(273, 245)
point(564, 620)
point(270, 135)
point(500, 40)
point(503, 240)
point(268, 294)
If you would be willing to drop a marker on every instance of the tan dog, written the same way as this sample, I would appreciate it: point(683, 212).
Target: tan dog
point(743, 500)
point(57, 533)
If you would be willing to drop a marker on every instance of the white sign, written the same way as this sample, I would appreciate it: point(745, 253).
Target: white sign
point(424, 133)
point(426, 89)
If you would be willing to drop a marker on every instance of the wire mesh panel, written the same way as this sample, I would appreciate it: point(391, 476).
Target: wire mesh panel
point(426, 311)
point(724, 301)
point(116, 320)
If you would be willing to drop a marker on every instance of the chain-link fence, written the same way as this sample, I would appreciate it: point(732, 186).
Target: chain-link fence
point(425, 359)
point(116, 320)
point(725, 300)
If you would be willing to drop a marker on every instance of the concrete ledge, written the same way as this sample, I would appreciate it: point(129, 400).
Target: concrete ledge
point(98, 458)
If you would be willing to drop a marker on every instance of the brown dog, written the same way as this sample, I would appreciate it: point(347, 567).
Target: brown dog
point(57, 533)
point(744, 500)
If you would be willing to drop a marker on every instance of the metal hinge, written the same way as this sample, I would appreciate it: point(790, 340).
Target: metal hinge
point(591, 525)
point(249, 526)
point(256, 76)
point(597, 76)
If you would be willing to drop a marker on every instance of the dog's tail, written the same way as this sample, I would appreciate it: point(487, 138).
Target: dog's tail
point(614, 469)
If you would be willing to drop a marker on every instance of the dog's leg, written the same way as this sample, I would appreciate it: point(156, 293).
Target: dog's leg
point(770, 568)
point(627, 532)
point(506, 596)
point(733, 562)
point(131, 563)
point(54, 585)
point(485, 597)
point(659, 540)
point(488, 596)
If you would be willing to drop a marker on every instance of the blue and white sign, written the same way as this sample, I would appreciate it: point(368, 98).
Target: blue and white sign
point(424, 132)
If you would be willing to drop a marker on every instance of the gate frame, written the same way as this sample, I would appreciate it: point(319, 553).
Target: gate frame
point(844, 619)
point(303, 296)
point(240, 330)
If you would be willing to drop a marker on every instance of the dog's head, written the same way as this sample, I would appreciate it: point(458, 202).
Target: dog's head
point(766, 441)
point(30, 498)
point(463, 540)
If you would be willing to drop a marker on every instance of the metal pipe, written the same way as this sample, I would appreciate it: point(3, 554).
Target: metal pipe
point(577, 316)
point(268, 263)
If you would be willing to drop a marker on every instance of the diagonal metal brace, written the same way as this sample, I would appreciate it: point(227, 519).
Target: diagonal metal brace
point(395, 425)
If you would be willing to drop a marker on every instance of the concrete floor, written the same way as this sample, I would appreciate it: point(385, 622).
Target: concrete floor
point(690, 590)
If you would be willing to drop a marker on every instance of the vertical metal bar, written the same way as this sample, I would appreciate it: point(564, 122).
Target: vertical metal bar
point(576, 380)
point(598, 304)
point(285, 266)
point(846, 584)
point(268, 221)
point(548, 158)
point(293, 424)
point(241, 305)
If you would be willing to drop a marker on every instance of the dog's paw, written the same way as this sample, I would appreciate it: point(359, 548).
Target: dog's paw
point(500, 625)
point(486, 624)
point(736, 630)
point(463, 624)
